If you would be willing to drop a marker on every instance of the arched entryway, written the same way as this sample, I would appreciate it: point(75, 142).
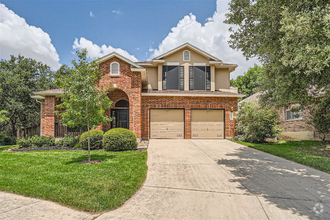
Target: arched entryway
point(120, 115)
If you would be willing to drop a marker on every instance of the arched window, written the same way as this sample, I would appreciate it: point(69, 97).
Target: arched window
point(186, 55)
point(122, 103)
point(114, 69)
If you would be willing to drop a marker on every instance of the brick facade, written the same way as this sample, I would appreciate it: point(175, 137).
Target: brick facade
point(47, 124)
point(128, 86)
point(297, 125)
point(189, 103)
point(128, 83)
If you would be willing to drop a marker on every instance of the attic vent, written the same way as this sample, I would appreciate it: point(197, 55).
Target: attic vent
point(186, 55)
point(114, 68)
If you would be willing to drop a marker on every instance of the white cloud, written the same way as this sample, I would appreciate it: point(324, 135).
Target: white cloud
point(95, 51)
point(17, 37)
point(91, 14)
point(118, 12)
point(211, 37)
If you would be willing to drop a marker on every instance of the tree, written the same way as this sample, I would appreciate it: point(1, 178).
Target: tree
point(320, 116)
point(83, 99)
point(2, 114)
point(248, 84)
point(292, 41)
point(256, 124)
point(19, 78)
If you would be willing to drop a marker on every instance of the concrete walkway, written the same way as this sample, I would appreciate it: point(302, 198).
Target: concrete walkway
point(205, 179)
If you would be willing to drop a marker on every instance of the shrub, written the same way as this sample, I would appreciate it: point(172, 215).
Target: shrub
point(68, 141)
point(37, 141)
point(2, 139)
point(78, 145)
point(96, 137)
point(9, 141)
point(256, 124)
point(119, 139)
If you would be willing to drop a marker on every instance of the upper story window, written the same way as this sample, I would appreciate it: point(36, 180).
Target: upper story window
point(199, 78)
point(186, 55)
point(173, 78)
point(114, 69)
point(294, 112)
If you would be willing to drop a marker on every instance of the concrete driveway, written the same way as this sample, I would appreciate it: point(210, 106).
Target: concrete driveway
point(219, 179)
point(205, 179)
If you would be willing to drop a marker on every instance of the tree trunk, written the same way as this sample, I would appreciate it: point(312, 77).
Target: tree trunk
point(89, 146)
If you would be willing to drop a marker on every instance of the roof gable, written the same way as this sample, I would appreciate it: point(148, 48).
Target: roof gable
point(191, 47)
point(114, 54)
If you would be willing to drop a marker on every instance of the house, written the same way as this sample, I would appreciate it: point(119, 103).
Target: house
point(184, 93)
point(293, 121)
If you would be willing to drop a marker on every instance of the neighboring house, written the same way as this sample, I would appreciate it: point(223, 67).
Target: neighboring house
point(184, 93)
point(294, 123)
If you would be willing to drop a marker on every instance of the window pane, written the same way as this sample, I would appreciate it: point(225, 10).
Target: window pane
point(114, 69)
point(172, 77)
point(199, 78)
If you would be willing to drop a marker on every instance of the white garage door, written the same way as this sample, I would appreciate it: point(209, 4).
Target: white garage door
point(167, 123)
point(207, 123)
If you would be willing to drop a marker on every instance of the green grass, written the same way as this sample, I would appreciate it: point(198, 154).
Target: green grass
point(310, 153)
point(58, 176)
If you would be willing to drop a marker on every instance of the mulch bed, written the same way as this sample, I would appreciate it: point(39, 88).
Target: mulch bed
point(143, 145)
point(43, 148)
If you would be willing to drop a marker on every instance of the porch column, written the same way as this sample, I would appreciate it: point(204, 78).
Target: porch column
point(47, 123)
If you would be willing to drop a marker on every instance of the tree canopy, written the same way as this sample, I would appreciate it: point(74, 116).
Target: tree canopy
point(19, 78)
point(292, 41)
point(248, 84)
point(83, 99)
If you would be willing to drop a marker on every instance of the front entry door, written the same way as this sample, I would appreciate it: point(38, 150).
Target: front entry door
point(120, 118)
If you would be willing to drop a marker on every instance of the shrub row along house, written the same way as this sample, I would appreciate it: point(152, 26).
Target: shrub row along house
point(184, 93)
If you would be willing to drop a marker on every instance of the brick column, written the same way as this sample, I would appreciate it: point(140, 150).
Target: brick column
point(187, 119)
point(48, 116)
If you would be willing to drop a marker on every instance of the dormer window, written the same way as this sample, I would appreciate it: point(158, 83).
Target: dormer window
point(186, 55)
point(114, 69)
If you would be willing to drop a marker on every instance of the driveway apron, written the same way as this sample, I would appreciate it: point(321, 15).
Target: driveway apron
point(219, 179)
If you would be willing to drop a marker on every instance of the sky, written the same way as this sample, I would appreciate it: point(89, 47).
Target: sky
point(51, 31)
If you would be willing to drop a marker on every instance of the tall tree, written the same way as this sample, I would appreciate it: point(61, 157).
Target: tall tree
point(83, 99)
point(19, 78)
point(292, 41)
point(2, 114)
point(248, 84)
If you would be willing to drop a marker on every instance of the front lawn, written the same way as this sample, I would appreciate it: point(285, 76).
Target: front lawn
point(315, 154)
point(58, 176)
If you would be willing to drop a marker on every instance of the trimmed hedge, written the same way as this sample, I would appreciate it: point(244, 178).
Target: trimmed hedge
point(68, 141)
point(119, 139)
point(37, 141)
point(96, 137)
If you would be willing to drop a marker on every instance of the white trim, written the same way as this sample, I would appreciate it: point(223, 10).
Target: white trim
point(173, 63)
point(138, 69)
point(191, 47)
point(48, 93)
point(37, 97)
point(191, 94)
point(114, 54)
point(183, 55)
point(111, 72)
point(158, 61)
point(199, 64)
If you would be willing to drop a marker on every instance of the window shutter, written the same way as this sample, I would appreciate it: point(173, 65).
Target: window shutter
point(181, 76)
point(208, 78)
point(164, 77)
point(191, 78)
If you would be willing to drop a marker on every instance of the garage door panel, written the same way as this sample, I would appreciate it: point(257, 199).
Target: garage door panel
point(207, 124)
point(167, 123)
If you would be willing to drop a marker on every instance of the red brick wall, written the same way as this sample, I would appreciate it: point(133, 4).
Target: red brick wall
point(48, 116)
point(189, 103)
point(128, 83)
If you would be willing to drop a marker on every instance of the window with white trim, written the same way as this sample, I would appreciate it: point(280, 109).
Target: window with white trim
point(186, 55)
point(293, 112)
point(114, 69)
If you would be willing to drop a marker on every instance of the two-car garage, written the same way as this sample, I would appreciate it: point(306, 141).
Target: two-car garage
point(170, 123)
